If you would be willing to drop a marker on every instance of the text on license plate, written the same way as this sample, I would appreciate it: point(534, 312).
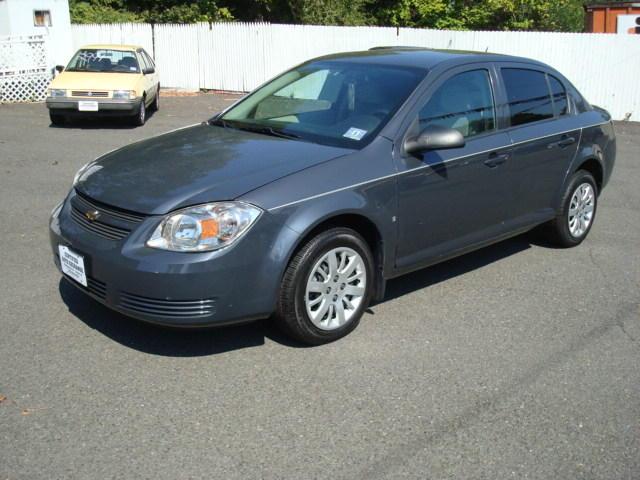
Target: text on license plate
point(72, 265)
point(85, 106)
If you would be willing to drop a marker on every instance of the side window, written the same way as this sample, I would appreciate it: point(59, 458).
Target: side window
point(560, 103)
point(143, 60)
point(463, 102)
point(528, 95)
point(148, 59)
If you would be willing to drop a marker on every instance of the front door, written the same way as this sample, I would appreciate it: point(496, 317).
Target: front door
point(451, 199)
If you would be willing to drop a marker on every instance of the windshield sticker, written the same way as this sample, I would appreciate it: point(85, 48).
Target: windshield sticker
point(355, 133)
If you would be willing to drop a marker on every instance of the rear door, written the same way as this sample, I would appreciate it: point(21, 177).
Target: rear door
point(155, 76)
point(451, 199)
point(148, 77)
point(545, 137)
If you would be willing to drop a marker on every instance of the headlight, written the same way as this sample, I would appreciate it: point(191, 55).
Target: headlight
point(205, 227)
point(124, 94)
point(84, 172)
point(57, 92)
point(56, 210)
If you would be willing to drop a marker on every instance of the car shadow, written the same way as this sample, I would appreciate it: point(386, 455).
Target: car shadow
point(203, 342)
point(444, 271)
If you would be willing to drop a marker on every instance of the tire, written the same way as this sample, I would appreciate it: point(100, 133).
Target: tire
point(57, 118)
point(141, 115)
point(581, 196)
point(308, 278)
point(155, 106)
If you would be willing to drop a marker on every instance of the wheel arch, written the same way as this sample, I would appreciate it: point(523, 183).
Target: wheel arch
point(592, 165)
point(361, 224)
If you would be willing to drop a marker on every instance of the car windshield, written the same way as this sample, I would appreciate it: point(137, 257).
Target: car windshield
point(104, 60)
point(332, 103)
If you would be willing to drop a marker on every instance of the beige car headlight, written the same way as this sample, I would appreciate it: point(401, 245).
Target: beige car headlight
point(124, 94)
point(57, 92)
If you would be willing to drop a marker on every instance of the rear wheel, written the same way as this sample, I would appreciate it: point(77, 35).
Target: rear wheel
point(578, 210)
point(156, 101)
point(57, 118)
point(326, 287)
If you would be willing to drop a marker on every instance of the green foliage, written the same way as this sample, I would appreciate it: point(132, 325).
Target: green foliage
point(549, 15)
point(161, 11)
point(552, 15)
point(331, 12)
point(100, 11)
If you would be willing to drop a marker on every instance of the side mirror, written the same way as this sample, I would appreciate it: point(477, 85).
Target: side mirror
point(59, 68)
point(434, 138)
point(147, 71)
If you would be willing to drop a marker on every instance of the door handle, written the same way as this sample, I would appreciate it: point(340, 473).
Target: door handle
point(496, 159)
point(563, 143)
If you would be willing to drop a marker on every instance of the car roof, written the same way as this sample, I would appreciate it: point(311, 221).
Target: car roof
point(111, 46)
point(419, 57)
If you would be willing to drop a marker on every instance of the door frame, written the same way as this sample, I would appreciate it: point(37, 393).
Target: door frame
point(401, 159)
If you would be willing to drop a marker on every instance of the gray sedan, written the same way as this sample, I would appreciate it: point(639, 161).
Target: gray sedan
point(303, 198)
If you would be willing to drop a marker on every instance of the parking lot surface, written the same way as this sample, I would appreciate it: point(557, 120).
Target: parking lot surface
point(516, 361)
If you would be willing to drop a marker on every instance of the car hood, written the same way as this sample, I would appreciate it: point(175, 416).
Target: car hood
point(95, 81)
point(195, 165)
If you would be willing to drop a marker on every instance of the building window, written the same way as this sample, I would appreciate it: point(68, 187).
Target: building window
point(42, 18)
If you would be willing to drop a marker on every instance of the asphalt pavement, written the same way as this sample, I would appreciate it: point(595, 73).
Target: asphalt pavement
point(517, 361)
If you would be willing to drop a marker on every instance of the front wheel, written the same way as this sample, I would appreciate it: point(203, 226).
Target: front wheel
point(326, 287)
point(141, 116)
point(57, 118)
point(577, 212)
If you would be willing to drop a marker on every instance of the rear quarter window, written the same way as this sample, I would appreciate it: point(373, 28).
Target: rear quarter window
point(560, 102)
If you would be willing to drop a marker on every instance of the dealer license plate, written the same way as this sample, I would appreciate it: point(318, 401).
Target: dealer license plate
point(84, 106)
point(72, 265)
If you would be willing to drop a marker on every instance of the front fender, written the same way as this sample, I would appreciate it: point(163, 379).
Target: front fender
point(362, 183)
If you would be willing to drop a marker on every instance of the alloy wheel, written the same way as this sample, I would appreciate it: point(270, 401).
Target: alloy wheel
point(335, 288)
point(581, 209)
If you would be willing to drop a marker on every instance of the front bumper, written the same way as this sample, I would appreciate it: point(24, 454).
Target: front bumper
point(232, 285)
point(106, 106)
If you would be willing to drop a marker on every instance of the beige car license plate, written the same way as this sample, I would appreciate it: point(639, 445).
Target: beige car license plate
point(85, 106)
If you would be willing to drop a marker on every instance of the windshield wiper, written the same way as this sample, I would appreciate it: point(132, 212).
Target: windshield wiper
point(272, 132)
point(254, 128)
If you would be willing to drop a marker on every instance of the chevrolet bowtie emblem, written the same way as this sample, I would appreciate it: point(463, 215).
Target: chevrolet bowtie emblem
point(92, 215)
point(90, 94)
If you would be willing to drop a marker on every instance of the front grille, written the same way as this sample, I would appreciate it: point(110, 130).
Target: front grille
point(110, 222)
point(83, 201)
point(96, 287)
point(168, 308)
point(89, 93)
point(98, 227)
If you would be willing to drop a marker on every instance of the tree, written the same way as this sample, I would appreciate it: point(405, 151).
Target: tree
point(155, 11)
point(551, 15)
point(100, 11)
point(331, 12)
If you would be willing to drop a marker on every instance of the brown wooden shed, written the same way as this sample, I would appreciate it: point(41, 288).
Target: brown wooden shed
point(603, 17)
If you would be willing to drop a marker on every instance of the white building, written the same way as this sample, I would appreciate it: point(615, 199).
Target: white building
point(40, 17)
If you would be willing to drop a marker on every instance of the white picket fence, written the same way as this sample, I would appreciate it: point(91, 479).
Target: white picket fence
point(240, 56)
point(24, 75)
